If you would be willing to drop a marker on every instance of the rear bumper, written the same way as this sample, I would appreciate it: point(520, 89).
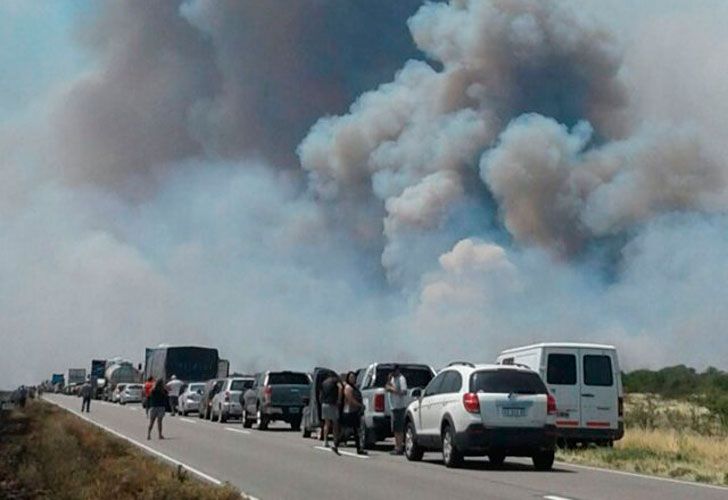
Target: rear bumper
point(380, 425)
point(589, 434)
point(285, 413)
point(232, 409)
point(517, 441)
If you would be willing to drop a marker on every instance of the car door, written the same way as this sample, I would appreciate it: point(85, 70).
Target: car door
point(563, 381)
point(599, 393)
point(429, 406)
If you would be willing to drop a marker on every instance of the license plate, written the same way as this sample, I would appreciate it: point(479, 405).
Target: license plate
point(293, 410)
point(514, 412)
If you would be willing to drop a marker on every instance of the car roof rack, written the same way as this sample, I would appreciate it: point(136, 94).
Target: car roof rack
point(466, 363)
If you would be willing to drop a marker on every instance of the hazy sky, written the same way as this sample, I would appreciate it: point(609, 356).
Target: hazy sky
point(336, 182)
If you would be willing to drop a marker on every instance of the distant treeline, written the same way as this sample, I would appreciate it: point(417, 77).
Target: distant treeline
point(677, 382)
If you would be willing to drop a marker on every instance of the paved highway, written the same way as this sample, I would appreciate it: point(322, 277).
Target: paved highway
point(279, 464)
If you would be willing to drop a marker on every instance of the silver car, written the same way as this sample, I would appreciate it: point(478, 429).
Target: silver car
point(226, 403)
point(189, 398)
point(132, 393)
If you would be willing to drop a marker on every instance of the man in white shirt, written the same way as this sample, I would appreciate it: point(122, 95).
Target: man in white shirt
point(174, 387)
point(397, 392)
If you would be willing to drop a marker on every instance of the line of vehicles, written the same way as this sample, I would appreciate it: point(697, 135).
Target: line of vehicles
point(531, 399)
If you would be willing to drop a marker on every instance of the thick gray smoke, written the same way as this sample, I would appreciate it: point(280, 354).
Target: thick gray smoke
point(507, 172)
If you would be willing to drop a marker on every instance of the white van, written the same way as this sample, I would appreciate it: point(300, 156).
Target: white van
point(585, 380)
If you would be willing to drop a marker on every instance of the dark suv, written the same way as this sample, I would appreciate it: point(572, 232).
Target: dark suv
point(276, 395)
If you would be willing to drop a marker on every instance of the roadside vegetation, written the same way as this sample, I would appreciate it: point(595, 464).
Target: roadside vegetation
point(46, 452)
point(676, 425)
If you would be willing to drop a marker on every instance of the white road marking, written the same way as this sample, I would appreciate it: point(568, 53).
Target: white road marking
point(240, 431)
point(133, 409)
point(555, 497)
point(189, 421)
point(341, 452)
point(643, 476)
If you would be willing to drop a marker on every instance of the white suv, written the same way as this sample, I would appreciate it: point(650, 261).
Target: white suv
point(477, 410)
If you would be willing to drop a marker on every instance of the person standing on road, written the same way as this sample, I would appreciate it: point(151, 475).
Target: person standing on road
point(330, 397)
point(173, 387)
point(148, 386)
point(397, 391)
point(158, 402)
point(86, 393)
point(22, 396)
point(353, 407)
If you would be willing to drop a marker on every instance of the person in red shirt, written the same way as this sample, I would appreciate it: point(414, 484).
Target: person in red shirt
point(148, 386)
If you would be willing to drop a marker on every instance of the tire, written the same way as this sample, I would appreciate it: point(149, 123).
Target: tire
point(262, 421)
point(366, 436)
point(543, 460)
point(496, 458)
point(451, 456)
point(222, 418)
point(306, 432)
point(412, 450)
point(296, 424)
point(247, 422)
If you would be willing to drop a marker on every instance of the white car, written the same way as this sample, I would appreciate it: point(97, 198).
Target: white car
point(226, 403)
point(132, 393)
point(189, 398)
point(478, 410)
point(115, 396)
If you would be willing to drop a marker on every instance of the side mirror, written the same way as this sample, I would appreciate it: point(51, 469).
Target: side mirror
point(416, 393)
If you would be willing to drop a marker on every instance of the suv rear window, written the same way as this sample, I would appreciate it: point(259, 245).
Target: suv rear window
point(288, 378)
point(240, 385)
point(598, 370)
point(415, 376)
point(561, 369)
point(506, 382)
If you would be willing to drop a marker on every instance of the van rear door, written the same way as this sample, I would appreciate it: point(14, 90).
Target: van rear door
point(599, 393)
point(562, 380)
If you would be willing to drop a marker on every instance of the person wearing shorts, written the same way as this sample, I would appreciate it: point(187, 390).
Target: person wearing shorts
point(330, 398)
point(397, 391)
point(158, 402)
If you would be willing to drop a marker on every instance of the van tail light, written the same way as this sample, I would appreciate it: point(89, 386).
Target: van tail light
point(268, 393)
point(379, 402)
point(471, 402)
point(550, 404)
point(227, 396)
point(620, 407)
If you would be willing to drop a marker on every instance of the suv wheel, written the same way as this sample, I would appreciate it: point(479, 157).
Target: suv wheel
point(247, 422)
point(262, 420)
point(222, 417)
point(451, 456)
point(412, 450)
point(543, 460)
point(296, 423)
point(496, 458)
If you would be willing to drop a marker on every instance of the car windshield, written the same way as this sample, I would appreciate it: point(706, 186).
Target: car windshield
point(241, 385)
point(506, 381)
point(135, 387)
point(196, 387)
point(415, 376)
point(288, 378)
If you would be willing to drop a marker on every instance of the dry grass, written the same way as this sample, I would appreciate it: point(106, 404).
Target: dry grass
point(48, 453)
point(679, 440)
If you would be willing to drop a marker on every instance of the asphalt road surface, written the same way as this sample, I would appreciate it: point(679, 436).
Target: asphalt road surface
point(280, 464)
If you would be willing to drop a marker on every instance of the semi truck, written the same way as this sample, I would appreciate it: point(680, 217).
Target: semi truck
point(187, 363)
point(76, 375)
point(98, 367)
point(119, 371)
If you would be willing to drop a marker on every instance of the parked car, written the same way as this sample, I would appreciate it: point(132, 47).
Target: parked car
point(115, 395)
point(376, 420)
point(212, 387)
point(276, 395)
point(132, 393)
point(586, 381)
point(226, 403)
point(189, 398)
point(477, 410)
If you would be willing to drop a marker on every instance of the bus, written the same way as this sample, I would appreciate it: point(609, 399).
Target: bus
point(187, 363)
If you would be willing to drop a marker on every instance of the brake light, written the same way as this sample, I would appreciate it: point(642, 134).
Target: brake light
point(620, 407)
point(268, 392)
point(471, 402)
point(227, 396)
point(550, 404)
point(379, 402)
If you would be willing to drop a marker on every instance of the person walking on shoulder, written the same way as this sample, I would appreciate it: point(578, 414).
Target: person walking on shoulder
point(353, 407)
point(86, 393)
point(397, 391)
point(158, 402)
point(148, 386)
point(330, 397)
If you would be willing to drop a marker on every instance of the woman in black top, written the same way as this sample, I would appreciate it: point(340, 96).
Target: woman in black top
point(353, 407)
point(158, 403)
